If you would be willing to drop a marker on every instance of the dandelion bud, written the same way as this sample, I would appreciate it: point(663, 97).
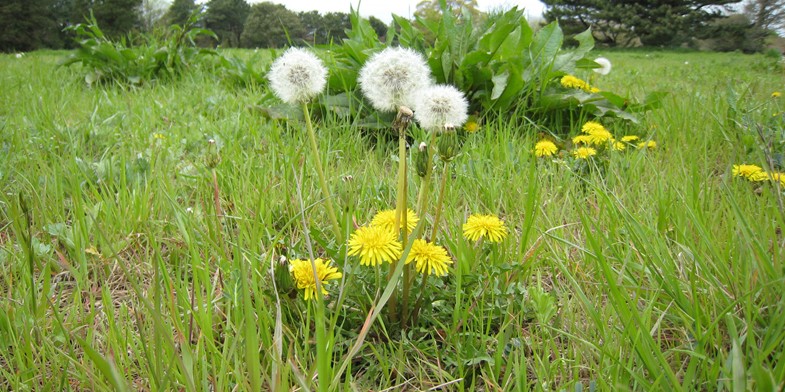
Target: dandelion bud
point(403, 118)
point(420, 158)
point(283, 278)
point(448, 145)
point(213, 158)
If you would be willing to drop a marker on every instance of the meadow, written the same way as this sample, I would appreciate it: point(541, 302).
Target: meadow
point(141, 227)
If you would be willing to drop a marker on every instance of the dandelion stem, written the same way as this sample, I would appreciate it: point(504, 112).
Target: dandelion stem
point(320, 172)
point(422, 199)
point(418, 304)
point(440, 202)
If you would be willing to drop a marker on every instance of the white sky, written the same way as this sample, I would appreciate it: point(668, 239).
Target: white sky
point(383, 9)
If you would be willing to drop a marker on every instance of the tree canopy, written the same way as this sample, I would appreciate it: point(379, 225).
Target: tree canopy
point(271, 26)
point(227, 18)
point(659, 22)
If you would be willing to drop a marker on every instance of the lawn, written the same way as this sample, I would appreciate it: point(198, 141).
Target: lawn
point(140, 230)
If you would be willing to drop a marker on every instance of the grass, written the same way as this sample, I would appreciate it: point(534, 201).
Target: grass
point(120, 271)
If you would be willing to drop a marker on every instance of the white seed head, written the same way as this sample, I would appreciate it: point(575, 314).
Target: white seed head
point(392, 77)
point(440, 106)
point(297, 76)
point(605, 66)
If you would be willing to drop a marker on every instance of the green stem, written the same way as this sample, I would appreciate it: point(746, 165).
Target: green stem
point(440, 202)
point(418, 304)
point(422, 199)
point(322, 181)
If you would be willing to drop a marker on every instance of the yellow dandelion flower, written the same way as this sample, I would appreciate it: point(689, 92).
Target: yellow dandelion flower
point(584, 152)
point(592, 127)
point(776, 94)
point(651, 144)
point(471, 126)
point(600, 137)
point(747, 171)
point(479, 226)
point(429, 257)
point(302, 273)
point(569, 81)
point(374, 245)
point(776, 176)
point(545, 148)
point(386, 219)
point(585, 139)
point(594, 90)
point(159, 136)
point(629, 139)
point(618, 146)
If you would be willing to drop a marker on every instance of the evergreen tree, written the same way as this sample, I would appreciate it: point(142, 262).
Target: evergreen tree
point(227, 19)
point(27, 25)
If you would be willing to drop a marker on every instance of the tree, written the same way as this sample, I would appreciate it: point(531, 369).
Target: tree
point(27, 25)
point(271, 26)
point(336, 24)
point(227, 18)
point(659, 22)
point(115, 17)
point(151, 12)
point(766, 14)
point(378, 26)
point(180, 11)
point(431, 9)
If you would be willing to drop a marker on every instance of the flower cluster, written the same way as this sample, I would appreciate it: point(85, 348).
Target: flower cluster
point(302, 272)
point(594, 138)
point(569, 81)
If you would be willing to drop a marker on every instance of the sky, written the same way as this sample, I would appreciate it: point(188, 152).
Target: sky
point(383, 9)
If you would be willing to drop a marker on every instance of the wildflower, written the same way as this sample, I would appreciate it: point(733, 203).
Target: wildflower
point(618, 146)
point(302, 272)
point(605, 66)
point(297, 76)
point(651, 144)
point(569, 81)
point(20, 55)
point(750, 172)
point(386, 219)
point(776, 94)
point(776, 176)
point(429, 257)
point(374, 245)
point(471, 127)
point(392, 77)
point(585, 139)
point(439, 106)
point(600, 137)
point(159, 136)
point(629, 139)
point(545, 148)
point(584, 152)
point(479, 226)
point(592, 127)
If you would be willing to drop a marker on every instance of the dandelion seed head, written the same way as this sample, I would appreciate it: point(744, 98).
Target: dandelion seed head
point(297, 76)
point(391, 78)
point(605, 66)
point(440, 106)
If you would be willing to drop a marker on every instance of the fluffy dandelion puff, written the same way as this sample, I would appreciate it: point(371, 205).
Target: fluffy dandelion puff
point(297, 76)
point(481, 226)
point(374, 245)
point(386, 219)
point(302, 272)
point(605, 66)
point(545, 148)
point(439, 106)
point(392, 77)
point(429, 258)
